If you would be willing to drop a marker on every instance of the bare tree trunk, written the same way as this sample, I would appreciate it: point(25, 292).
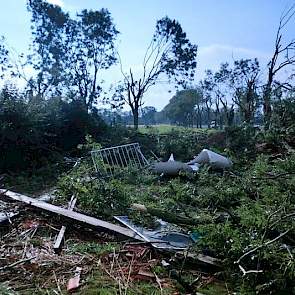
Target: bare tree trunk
point(208, 117)
point(267, 104)
point(135, 117)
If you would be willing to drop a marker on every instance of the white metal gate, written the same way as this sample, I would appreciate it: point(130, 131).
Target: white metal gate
point(109, 160)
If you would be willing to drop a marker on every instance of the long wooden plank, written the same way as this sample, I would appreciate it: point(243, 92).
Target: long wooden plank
point(70, 214)
point(60, 236)
point(45, 197)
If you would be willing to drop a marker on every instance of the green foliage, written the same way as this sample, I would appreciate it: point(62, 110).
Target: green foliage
point(97, 197)
point(258, 214)
point(69, 52)
point(37, 132)
point(181, 107)
point(240, 140)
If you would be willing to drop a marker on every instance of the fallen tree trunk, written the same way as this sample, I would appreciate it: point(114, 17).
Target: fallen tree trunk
point(70, 214)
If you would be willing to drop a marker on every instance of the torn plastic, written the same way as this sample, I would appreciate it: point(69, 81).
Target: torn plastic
point(165, 236)
point(213, 159)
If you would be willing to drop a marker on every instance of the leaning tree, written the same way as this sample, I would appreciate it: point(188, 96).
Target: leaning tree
point(169, 55)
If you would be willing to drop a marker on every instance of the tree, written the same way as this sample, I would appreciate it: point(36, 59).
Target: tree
point(181, 109)
point(70, 52)
point(245, 82)
point(170, 54)
point(223, 94)
point(90, 48)
point(206, 86)
point(283, 57)
point(3, 57)
point(230, 86)
point(148, 114)
point(49, 25)
point(217, 94)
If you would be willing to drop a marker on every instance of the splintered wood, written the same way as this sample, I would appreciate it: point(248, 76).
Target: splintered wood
point(71, 214)
point(60, 236)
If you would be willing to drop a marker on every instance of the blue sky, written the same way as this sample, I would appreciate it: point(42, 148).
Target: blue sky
point(223, 29)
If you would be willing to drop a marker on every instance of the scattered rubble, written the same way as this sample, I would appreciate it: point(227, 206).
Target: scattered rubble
point(22, 252)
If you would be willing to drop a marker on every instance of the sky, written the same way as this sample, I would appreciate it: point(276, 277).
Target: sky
point(224, 30)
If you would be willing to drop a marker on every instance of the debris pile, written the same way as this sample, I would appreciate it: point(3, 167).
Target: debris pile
point(35, 246)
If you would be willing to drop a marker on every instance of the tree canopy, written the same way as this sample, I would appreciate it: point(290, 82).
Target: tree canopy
point(68, 53)
point(169, 55)
point(181, 109)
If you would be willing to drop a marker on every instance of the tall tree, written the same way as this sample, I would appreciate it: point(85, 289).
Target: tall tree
point(90, 43)
point(244, 80)
point(71, 51)
point(206, 85)
point(170, 55)
point(283, 56)
point(48, 23)
point(223, 93)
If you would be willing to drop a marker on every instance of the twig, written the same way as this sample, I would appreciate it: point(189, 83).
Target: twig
point(129, 274)
point(267, 223)
point(157, 158)
point(273, 177)
point(282, 218)
point(57, 284)
point(248, 271)
point(16, 263)
point(261, 246)
point(159, 283)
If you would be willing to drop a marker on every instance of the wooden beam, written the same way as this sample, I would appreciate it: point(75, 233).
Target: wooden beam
point(60, 236)
point(71, 214)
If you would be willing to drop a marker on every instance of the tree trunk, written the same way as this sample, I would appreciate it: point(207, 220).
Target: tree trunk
point(267, 105)
point(135, 118)
point(208, 118)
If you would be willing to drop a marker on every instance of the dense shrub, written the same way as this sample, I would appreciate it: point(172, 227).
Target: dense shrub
point(35, 132)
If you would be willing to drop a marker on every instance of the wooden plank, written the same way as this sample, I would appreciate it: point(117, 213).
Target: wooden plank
point(45, 197)
point(70, 214)
point(60, 236)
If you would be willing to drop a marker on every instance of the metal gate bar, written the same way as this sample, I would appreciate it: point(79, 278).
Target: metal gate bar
point(108, 160)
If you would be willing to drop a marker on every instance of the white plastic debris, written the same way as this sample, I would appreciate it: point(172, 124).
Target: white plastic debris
point(171, 158)
point(213, 159)
point(171, 168)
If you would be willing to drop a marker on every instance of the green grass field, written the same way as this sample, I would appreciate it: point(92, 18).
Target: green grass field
point(166, 128)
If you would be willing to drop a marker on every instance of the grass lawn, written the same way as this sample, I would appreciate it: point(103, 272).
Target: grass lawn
point(166, 128)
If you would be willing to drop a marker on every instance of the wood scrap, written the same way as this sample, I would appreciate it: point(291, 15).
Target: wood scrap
point(60, 236)
point(46, 197)
point(203, 259)
point(17, 263)
point(70, 214)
